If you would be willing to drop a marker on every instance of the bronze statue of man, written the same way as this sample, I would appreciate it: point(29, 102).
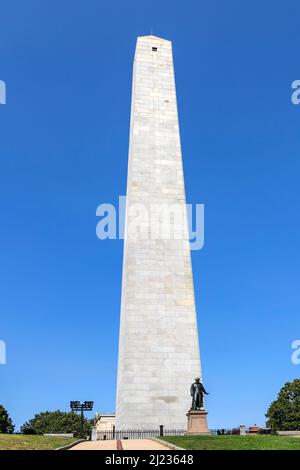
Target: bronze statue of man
point(197, 391)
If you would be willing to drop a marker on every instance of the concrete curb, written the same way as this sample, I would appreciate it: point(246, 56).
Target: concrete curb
point(70, 445)
point(167, 444)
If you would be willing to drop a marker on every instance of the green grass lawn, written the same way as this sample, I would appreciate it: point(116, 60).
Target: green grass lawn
point(24, 442)
point(235, 442)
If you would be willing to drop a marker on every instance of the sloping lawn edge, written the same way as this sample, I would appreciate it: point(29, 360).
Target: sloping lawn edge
point(166, 443)
point(68, 446)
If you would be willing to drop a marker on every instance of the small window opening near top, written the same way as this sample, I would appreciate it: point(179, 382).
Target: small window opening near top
point(154, 49)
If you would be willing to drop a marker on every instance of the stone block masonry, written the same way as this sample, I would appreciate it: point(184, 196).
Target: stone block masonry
point(158, 343)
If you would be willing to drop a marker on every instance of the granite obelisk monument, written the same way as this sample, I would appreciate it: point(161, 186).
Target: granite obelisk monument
point(158, 343)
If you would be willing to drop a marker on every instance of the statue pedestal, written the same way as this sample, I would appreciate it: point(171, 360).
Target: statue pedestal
point(197, 422)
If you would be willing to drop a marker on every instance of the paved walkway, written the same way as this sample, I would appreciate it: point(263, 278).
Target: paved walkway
point(142, 444)
point(128, 444)
point(96, 445)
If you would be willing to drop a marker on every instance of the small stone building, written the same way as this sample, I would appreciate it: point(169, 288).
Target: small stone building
point(105, 422)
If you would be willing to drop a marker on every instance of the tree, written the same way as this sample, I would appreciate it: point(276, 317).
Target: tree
point(284, 413)
point(6, 424)
point(56, 422)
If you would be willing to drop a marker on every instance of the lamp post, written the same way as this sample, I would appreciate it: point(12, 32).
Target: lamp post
point(85, 406)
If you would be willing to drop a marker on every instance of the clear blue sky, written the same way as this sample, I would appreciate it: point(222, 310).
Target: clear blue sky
point(63, 147)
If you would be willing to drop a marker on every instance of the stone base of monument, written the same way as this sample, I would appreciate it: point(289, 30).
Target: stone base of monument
point(197, 422)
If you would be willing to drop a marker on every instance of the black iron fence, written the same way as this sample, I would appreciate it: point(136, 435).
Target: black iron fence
point(140, 434)
point(146, 433)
